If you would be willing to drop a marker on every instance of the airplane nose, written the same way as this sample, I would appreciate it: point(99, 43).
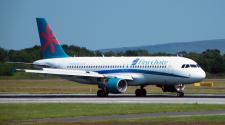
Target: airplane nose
point(201, 75)
point(198, 75)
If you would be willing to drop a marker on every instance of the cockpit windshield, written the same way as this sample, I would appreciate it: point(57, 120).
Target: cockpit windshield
point(193, 66)
point(187, 66)
point(190, 66)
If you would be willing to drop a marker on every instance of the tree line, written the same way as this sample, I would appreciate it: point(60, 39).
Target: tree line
point(212, 61)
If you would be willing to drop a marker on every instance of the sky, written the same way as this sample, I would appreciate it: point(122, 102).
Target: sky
point(101, 24)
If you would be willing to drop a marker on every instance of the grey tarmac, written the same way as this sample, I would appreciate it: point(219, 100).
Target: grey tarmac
point(122, 98)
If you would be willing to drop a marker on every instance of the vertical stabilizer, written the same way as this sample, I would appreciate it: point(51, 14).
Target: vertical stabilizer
point(50, 46)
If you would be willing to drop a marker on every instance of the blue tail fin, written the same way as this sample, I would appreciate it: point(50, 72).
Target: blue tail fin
point(50, 47)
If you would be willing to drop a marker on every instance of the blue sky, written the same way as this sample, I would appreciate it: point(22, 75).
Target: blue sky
point(98, 24)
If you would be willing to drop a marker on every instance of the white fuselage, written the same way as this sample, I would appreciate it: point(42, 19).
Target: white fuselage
point(144, 70)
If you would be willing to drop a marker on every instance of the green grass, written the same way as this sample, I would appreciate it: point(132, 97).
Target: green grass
point(45, 86)
point(23, 75)
point(214, 118)
point(64, 86)
point(10, 112)
point(187, 120)
point(184, 120)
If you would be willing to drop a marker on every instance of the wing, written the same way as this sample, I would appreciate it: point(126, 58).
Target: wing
point(64, 72)
point(67, 72)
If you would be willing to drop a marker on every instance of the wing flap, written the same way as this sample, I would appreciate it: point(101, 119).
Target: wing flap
point(121, 76)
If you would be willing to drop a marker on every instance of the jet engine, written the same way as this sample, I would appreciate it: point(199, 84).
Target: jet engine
point(116, 85)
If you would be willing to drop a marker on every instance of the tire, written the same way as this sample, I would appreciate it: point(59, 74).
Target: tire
point(144, 92)
point(102, 93)
point(140, 92)
point(137, 92)
point(180, 94)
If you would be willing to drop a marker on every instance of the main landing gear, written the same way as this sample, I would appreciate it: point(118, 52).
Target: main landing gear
point(141, 92)
point(102, 93)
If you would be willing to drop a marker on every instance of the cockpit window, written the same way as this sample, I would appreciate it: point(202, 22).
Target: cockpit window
point(190, 66)
point(193, 66)
point(183, 66)
point(187, 66)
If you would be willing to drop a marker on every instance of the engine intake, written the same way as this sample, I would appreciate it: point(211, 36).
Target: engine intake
point(116, 85)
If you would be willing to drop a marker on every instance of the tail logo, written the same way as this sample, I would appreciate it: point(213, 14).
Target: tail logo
point(49, 39)
point(134, 62)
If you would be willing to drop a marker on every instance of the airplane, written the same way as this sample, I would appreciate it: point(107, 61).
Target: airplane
point(115, 74)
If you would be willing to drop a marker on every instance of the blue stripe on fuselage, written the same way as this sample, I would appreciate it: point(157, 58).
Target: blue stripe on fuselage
point(139, 71)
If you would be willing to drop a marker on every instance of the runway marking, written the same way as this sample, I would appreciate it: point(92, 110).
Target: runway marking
point(91, 98)
point(129, 116)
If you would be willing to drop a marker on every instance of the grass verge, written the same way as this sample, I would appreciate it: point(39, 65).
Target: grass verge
point(64, 86)
point(185, 120)
point(11, 112)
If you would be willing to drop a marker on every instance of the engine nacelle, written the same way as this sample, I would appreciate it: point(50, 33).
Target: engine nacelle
point(175, 88)
point(116, 85)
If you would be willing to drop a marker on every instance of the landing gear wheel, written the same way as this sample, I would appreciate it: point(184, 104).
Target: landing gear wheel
point(140, 92)
point(102, 93)
point(180, 94)
point(137, 92)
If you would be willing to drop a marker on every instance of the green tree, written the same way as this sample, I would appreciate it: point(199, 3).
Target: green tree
point(98, 53)
point(3, 55)
point(131, 53)
point(77, 51)
point(214, 61)
point(6, 69)
point(109, 53)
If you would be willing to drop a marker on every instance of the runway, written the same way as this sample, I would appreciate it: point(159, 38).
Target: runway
point(122, 98)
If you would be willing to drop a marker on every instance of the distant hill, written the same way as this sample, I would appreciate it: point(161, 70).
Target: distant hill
point(196, 46)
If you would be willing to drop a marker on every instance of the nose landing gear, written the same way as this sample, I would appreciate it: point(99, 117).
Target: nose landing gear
point(179, 88)
point(180, 94)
